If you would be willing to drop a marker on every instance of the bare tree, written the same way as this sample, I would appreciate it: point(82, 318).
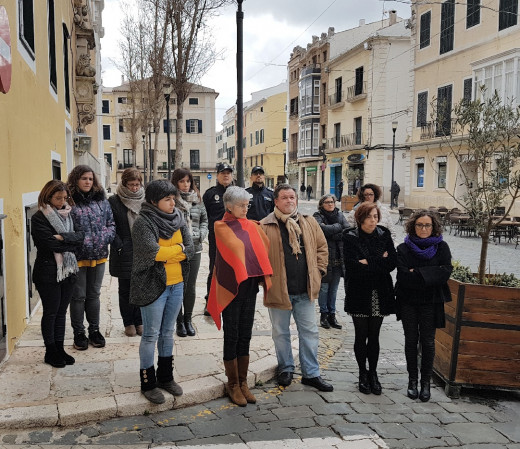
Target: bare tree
point(192, 51)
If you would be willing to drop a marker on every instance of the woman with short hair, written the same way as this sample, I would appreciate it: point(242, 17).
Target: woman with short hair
point(370, 257)
point(423, 269)
point(241, 262)
point(55, 267)
point(126, 204)
point(162, 247)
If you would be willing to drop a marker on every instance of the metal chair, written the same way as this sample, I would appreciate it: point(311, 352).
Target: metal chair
point(407, 213)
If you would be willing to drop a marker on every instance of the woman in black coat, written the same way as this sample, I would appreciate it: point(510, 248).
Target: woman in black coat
point(55, 267)
point(126, 204)
point(423, 269)
point(332, 223)
point(369, 256)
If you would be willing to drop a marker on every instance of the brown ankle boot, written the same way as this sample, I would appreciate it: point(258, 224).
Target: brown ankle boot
point(243, 365)
point(233, 385)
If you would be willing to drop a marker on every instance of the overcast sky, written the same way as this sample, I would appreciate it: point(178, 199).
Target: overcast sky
point(272, 28)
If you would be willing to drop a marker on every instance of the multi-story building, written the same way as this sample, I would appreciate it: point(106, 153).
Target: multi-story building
point(128, 141)
point(370, 87)
point(229, 122)
point(49, 73)
point(458, 48)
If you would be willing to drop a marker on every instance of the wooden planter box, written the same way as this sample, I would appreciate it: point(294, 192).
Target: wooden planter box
point(480, 345)
point(348, 202)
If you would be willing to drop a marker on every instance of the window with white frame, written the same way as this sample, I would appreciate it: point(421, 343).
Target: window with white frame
point(261, 136)
point(419, 172)
point(106, 132)
point(424, 33)
point(53, 76)
point(315, 136)
point(26, 25)
point(308, 139)
point(316, 102)
point(447, 33)
point(442, 164)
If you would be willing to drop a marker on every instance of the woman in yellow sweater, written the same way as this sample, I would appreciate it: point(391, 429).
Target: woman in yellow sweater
point(162, 247)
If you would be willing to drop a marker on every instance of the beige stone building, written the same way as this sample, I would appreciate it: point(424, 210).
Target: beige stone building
point(459, 47)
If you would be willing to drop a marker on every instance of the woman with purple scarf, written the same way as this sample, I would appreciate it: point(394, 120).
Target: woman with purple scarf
point(423, 269)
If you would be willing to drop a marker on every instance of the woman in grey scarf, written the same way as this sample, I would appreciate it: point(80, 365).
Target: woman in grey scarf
point(126, 204)
point(162, 247)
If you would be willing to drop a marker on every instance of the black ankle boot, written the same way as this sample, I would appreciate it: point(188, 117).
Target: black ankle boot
point(333, 321)
point(324, 322)
point(52, 357)
point(181, 329)
point(375, 386)
point(69, 360)
point(190, 330)
point(425, 394)
point(412, 392)
point(364, 385)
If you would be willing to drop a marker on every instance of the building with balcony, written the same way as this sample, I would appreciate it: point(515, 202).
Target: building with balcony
point(370, 86)
point(49, 60)
point(130, 139)
point(458, 48)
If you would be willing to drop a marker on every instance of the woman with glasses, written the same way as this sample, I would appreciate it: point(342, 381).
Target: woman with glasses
point(332, 223)
point(423, 269)
point(241, 263)
point(371, 193)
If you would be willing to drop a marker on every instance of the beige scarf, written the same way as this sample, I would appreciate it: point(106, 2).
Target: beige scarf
point(291, 223)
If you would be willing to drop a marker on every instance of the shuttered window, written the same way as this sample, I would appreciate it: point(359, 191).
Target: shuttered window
point(447, 26)
point(426, 20)
point(422, 108)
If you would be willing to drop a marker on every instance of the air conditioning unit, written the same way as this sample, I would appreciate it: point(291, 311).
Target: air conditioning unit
point(82, 143)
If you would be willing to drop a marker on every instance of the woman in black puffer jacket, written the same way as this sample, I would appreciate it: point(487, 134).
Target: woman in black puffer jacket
point(369, 296)
point(423, 269)
point(126, 204)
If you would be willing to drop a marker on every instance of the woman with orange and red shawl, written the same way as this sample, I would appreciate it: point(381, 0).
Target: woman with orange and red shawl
point(241, 263)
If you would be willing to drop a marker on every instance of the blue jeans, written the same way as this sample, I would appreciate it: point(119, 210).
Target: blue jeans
point(85, 298)
point(159, 319)
point(328, 292)
point(305, 318)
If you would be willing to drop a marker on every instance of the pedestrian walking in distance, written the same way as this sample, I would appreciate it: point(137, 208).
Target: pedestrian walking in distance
point(423, 269)
point(340, 189)
point(394, 194)
point(55, 267)
point(162, 248)
point(93, 215)
point(370, 257)
point(309, 192)
point(303, 189)
point(126, 204)
point(242, 262)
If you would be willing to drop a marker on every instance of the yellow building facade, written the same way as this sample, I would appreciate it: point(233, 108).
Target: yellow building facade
point(458, 49)
point(50, 98)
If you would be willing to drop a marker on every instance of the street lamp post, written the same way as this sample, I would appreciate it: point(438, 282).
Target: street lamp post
point(144, 158)
point(167, 91)
point(394, 128)
point(323, 165)
point(240, 95)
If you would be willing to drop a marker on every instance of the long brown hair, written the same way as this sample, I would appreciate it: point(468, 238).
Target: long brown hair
point(76, 173)
point(181, 173)
point(48, 191)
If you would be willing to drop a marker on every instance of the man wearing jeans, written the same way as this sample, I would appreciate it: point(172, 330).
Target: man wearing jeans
point(295, 285)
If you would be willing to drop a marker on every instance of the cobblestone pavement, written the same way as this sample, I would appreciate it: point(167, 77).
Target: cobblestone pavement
point(301, 417)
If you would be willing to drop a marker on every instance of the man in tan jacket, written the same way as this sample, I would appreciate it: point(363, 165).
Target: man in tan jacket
point(299, 257)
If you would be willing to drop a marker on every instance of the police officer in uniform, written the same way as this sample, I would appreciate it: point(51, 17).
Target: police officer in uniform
point(261, 201)
point(214, 203)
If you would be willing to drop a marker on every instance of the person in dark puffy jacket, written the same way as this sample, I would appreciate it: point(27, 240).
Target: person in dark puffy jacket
point(55, 267)
point(126, 204)
point(332, 223)
point(189, 202)
point(92, 215)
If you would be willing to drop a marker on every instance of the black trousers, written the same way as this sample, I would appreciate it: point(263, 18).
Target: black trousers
point(237, 321)
point(55, 298)
point(419, 326)
point(131, 314)
point(212, 252)
point(188, 302)
point(366, 341)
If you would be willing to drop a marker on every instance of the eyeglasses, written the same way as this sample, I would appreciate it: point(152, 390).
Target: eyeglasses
point(368, 194)
point(328, 202)
point(243, 206)
point(423, 226)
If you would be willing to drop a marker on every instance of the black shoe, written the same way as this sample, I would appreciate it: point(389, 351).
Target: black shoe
point(333, 321)
point(69, 360)
point(425, 394)
point(206, 313)
point(53, 357)
point(317, 382)
point(375, 386)
point(364, 385)
point(181, 330)
point(412, 392)
point(284, 379)
point(324, 322)
point(190, 330)
point(80, 342)
point(96, 339)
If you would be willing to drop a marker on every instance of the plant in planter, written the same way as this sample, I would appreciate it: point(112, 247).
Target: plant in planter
point(483, 138)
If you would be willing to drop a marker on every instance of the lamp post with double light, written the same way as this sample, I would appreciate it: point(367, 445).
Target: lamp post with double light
point(394, 128)
point(167, 92)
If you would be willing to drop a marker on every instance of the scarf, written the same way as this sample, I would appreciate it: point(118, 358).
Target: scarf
point(61, 221)
point(242, 253)
point(167, 224)
point(293, 228)
point(184, 202)
point(330, 217)
point(132, 201)
point(423, 248)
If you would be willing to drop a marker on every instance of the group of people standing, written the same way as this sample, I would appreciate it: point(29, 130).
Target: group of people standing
point(257, 237)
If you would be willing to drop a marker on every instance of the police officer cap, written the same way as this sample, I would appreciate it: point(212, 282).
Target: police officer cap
point(223, 166)
point(257, 169)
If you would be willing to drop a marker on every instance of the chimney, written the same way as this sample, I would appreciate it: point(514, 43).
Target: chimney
point(393, 17)
point(122, 78)
point(361, 22)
